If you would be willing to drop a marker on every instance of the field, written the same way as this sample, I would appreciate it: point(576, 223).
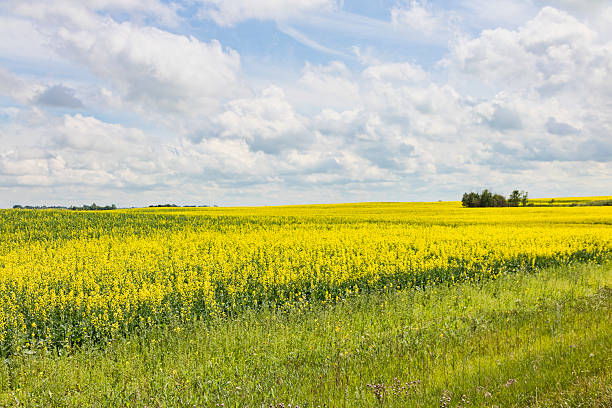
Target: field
point(307, 305)
point(571, 201)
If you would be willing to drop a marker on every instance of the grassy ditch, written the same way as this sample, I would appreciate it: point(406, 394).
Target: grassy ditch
point(542, 339)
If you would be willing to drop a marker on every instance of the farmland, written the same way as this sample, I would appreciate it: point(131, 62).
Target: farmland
point(77, 287)
point(571, 201)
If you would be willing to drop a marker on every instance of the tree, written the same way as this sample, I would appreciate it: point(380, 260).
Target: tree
point(490, 199)
point(499, 201)
point(471, 200)
point(524, 198)
point(486, 198)
point(514, 199)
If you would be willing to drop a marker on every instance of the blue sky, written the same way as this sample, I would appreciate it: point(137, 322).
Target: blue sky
point(252, 102)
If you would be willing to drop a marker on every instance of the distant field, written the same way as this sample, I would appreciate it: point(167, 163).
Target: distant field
point(568, 201)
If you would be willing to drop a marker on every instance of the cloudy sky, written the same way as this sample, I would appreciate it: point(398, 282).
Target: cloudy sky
point(250, 102)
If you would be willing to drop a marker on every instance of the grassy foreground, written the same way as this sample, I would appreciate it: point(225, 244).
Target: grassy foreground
point(542, 339)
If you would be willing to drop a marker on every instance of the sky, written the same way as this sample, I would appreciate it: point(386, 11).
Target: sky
point(263, 102)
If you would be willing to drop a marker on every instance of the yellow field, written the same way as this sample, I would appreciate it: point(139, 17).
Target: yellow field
point(71, 277)
point(566, 201)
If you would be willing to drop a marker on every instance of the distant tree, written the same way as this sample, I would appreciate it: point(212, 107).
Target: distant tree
point(486, 198)
point(489, 199)
point(514, 199)
point(499, 201)
point(524, 198)
point(471, 200)
point(94, 206)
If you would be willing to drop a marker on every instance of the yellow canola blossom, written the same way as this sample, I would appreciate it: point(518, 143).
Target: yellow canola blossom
point(73, 277)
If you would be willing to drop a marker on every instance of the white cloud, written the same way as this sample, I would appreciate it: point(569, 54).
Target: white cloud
point(17, 88)
point(550, 53)
point(40, 150)
point(547, 91)
point(230, 12)
point(339, 123)
point(75, 151)
point(84, 12)
point(20, 40)
point(419, 16)
point(580, 6)
point(266, 122)
point(499, 13)
point(392, 72)
point(554, 28)
point(151, 70)
point(154, 68)
point(332, 84)
point(426, 109)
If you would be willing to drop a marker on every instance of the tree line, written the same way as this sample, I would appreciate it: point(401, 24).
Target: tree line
point(85, 207)
point(489, 199)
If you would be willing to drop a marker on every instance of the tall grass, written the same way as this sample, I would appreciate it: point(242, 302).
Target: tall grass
point(542, 339)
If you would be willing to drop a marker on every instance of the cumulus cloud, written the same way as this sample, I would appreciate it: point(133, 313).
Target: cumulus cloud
point(20, 40)
point(39, 150)
point(267, 122)
point(504, 118)
point(152, 70)
point(551, 67)
point(560, 128)
point(58, 96)
point(550, 53)
point(332, 83)
point(418, 18)
point(417, 15)
point(230, 12)
point(17, 88)
point(152, 67)
point(392, 72)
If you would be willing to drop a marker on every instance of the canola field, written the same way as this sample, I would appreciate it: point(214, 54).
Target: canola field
point(70, 278)
point(571, 201)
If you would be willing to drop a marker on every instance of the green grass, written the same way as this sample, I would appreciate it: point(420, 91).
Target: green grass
point(530, 340)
